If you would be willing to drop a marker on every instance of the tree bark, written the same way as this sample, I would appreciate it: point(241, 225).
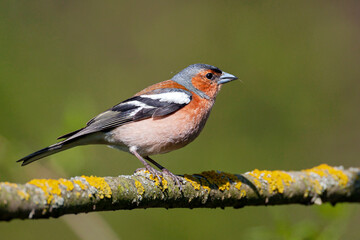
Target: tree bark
point(45, 198)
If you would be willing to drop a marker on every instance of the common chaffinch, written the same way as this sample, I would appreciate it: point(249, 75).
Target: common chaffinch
point(161, 118)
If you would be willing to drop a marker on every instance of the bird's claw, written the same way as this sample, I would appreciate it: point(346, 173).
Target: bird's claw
point(178, 180)
point(155, 173)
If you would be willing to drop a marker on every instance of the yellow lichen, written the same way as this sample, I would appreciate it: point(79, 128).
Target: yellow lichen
point(197, 183)
point(242, 193)
point(23, 195)
point(238, 185)
point(205, 184)
point(225, 186)
point(163, 184)
point(275, 179)
point(50, 187)
point(306, 194)
point(317, 186)
point(80, 184)
point(159, 180)
point(68, 184)
point(102, 187)
point(139, 187)
point(324, 170)
point(258, 184)
point(222, 180)
point(194, 182)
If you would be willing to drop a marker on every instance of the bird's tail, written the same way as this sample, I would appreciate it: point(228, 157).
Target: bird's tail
point(55, 148)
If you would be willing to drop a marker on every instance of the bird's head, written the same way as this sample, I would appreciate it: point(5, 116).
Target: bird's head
point(203, 79)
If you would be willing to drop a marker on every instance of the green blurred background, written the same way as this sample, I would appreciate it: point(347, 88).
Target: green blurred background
point(62, 62)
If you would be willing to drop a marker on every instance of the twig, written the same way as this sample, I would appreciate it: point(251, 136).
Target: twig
point(44, 198)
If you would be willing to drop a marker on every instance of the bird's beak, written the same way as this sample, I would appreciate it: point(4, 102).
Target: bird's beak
point(226, 77)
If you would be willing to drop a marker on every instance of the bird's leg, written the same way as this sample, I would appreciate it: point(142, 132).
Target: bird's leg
point(174, 177)
point(152, 170)
point(155, 163)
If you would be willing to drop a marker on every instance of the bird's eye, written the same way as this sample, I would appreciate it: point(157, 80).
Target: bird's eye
point(209, 76)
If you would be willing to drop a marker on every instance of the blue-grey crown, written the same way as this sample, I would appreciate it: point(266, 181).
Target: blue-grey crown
point(185, 76)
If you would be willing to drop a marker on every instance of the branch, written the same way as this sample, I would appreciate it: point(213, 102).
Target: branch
point(44, 198)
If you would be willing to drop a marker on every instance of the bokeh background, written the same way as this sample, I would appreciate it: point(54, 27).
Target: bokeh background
point(62, 62)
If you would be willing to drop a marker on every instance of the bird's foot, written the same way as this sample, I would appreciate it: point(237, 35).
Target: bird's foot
point(177, 179)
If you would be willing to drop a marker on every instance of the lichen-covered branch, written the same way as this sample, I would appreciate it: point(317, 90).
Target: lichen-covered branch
point(44, 198)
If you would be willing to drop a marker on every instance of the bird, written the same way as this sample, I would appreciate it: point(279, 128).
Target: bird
point(161, 118)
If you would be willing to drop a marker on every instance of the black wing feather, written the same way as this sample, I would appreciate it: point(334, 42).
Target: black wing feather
point(164, 111)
